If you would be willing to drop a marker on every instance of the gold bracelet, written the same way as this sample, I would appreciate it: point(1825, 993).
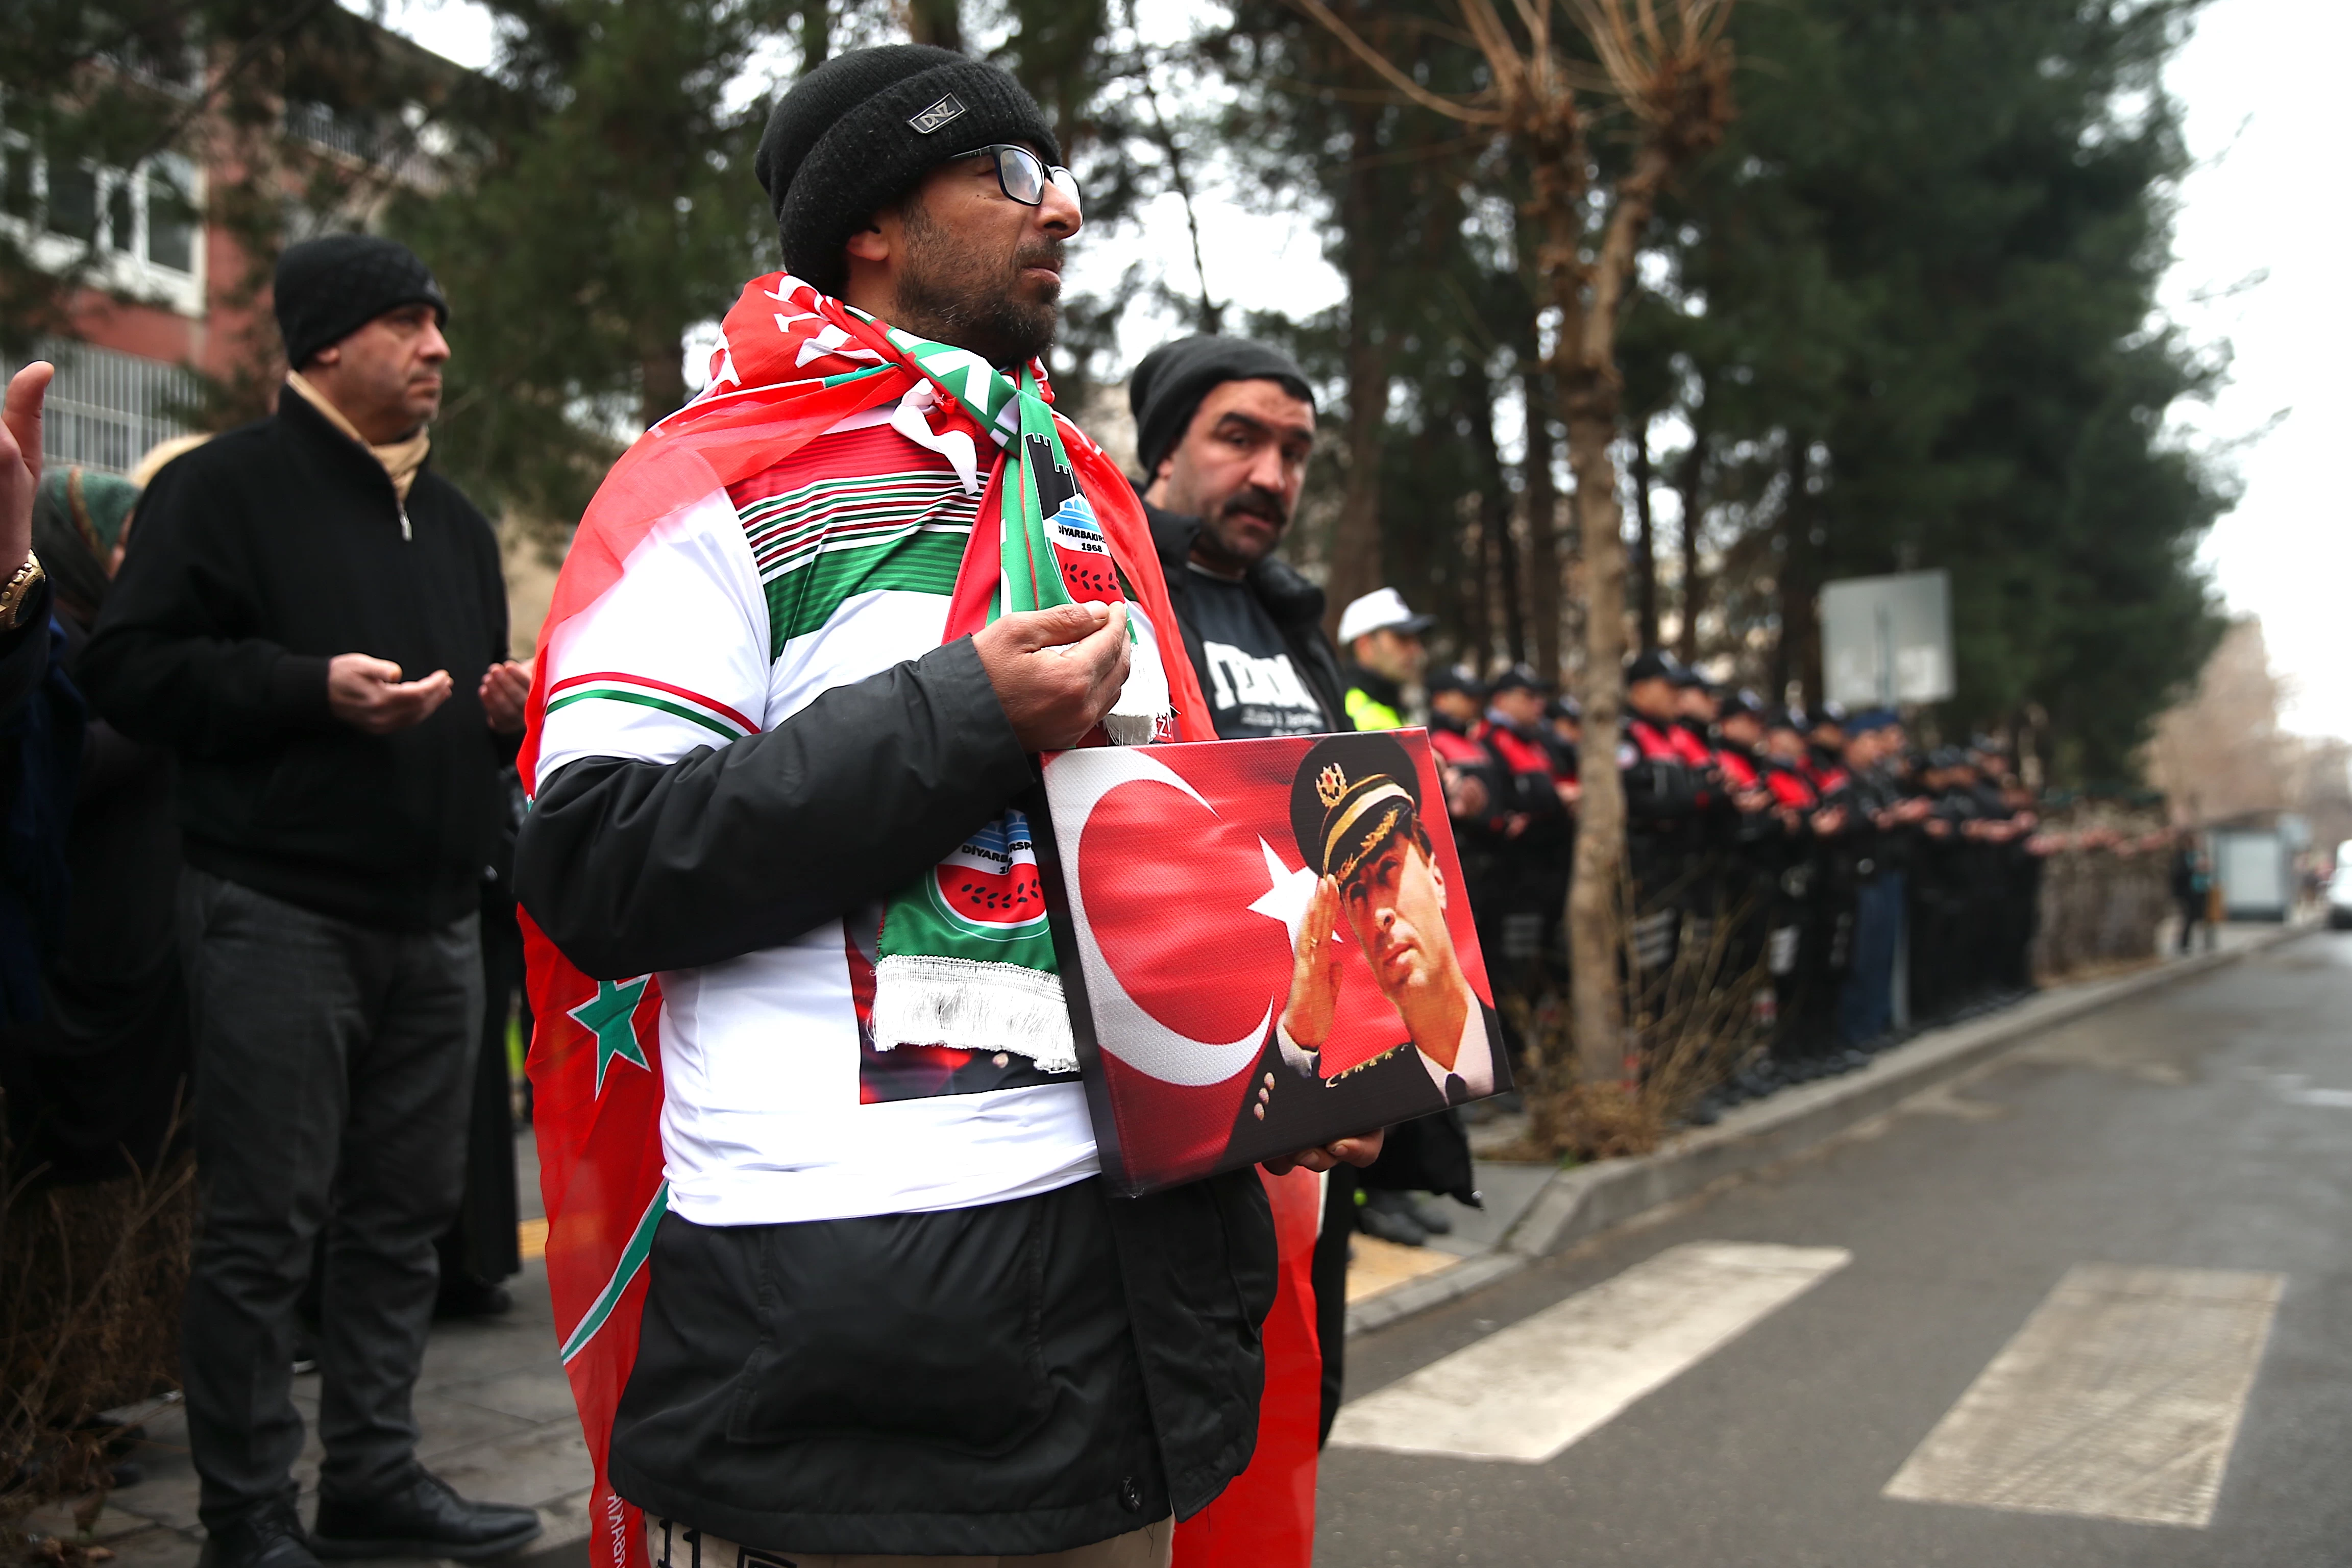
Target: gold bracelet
point(19, 588)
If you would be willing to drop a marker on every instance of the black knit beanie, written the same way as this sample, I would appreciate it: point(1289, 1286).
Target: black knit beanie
point(327, 288)
point(1166, 389)
point(853, 135)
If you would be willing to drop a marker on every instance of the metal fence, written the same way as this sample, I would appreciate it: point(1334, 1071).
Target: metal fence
point(107, 409)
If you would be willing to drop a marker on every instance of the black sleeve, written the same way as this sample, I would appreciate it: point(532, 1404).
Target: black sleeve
point(172, 662)
point(631, 867)
point(24, 652)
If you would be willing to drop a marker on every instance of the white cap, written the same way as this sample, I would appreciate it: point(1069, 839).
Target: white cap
point(1380, 608)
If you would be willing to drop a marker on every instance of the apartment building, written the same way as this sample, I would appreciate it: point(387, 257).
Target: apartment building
point(161, 295)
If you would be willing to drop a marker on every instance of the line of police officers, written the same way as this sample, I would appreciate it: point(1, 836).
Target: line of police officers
point(1782, 853)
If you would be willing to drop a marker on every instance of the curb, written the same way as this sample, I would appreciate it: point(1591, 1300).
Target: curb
point(1581, 1202)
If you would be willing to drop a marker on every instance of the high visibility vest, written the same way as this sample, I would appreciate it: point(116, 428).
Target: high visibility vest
point(1367, 712)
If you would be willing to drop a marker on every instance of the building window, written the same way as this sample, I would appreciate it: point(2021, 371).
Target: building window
point(172, 214)
point(106, 410)
point(146, 216)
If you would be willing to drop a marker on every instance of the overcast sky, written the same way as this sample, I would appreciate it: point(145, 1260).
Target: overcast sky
point(2261, 264)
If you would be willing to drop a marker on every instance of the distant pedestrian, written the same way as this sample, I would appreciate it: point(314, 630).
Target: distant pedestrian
point(2193, 892)
point(315, 623)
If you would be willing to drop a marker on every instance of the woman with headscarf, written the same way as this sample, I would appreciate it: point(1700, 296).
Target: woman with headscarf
point(95, 1064)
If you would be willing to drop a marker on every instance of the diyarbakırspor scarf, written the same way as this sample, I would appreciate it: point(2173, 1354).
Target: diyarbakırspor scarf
point(966, 958)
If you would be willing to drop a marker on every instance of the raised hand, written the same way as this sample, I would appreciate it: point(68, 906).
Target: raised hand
point(1315, 971)
point(20, 461)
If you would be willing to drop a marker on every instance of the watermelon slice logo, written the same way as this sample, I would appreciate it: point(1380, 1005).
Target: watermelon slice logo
point(988, 887)
point(1079, 551)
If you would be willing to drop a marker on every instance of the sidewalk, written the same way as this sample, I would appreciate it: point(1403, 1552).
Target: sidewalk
point(493, 1402)
point(497, 1412)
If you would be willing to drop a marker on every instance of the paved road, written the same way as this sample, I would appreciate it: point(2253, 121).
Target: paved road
point(1938, 1296)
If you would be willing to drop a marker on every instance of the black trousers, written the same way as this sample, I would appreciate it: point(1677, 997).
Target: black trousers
point(333, 1063)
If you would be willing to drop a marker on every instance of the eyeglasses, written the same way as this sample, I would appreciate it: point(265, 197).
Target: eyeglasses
point(1023, 175)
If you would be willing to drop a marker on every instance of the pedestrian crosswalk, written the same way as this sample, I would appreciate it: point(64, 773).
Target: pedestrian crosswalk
point(1532, 1389)
point(2120, 1397)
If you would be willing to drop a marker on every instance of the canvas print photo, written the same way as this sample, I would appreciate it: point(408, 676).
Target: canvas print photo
point(1265, 945)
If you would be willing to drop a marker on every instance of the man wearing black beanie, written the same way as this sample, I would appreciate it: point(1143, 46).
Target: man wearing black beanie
point(1223, 428)
point(890, 1311)
point(315, 623)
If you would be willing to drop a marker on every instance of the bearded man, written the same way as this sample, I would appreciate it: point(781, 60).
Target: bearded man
point(815, 630)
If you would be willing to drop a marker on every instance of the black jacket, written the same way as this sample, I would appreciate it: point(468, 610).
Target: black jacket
point(1296, 605)
point(836, 1437)
point(258, 557)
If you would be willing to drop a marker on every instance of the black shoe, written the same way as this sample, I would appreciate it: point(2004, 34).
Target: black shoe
point(421, 1517)
point(466, 1297)
point(1431, 1216)
point(1390, 1217)
point(271, 1538)
point(306, 1350)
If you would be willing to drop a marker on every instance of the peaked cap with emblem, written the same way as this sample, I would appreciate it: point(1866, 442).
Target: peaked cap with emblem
point(854, 134)
point(1351, 794)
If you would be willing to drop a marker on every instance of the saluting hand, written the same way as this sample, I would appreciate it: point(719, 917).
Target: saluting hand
point(1314, 971)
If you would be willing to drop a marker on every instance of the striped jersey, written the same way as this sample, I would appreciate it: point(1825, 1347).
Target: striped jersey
point(831, 566)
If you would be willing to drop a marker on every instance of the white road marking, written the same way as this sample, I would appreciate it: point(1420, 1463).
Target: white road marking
point(2118, 1399)
point(1527, 1392)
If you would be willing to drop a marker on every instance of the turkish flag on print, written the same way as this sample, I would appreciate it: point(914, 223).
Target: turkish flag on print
point(1179, 882)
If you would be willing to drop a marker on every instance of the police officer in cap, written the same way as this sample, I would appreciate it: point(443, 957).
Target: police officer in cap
point(1663, 801)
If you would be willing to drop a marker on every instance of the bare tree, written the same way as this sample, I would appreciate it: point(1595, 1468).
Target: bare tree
point(1667, 64)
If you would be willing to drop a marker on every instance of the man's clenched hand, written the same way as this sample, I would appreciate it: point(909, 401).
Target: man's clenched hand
point(1056, 672)
point(368, 694)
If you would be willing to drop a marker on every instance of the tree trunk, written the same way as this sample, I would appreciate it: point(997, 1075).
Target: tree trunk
point(1476, 398)
point(1584, 370)
point(1689, 475)
point(661, 381)
point(816, 33)
point(934, 22)
point(1794, 656)
point(1356, 568)
point(1644, 568)
point(1543, 523)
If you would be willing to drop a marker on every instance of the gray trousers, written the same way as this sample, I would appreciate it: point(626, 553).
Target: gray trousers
point(333, 1063)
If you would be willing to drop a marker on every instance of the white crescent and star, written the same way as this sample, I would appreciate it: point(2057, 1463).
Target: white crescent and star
point(1076, 784)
